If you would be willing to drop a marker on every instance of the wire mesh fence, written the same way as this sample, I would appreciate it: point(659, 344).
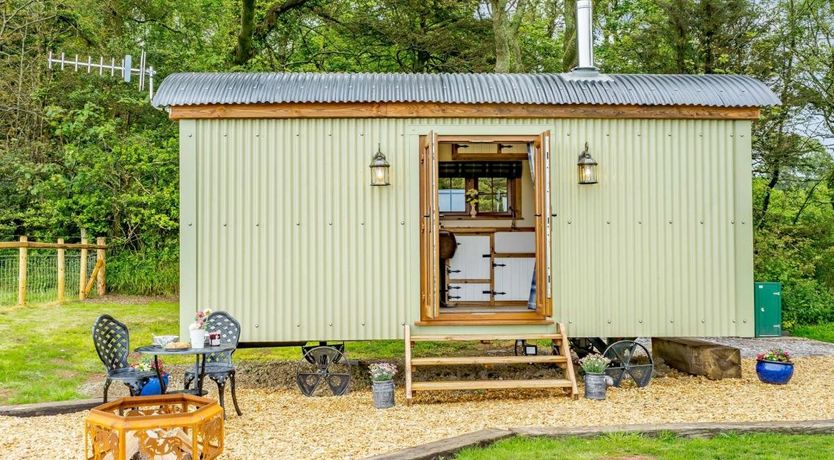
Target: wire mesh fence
point(8, 277)
point(42, 275)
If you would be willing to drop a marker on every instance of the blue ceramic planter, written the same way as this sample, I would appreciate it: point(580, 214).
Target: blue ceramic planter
point(152, 387)
point(773, 372)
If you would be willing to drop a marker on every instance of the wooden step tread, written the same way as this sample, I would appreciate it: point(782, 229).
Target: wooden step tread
point(468, 360)
point(483, 337)
point(489, 384)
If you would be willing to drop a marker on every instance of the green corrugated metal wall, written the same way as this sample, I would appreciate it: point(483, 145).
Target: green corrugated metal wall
point(280, 226)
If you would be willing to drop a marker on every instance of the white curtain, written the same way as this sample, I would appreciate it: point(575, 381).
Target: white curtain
point(531, 157)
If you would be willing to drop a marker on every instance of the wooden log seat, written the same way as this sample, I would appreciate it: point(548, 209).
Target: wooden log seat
point(698, 357)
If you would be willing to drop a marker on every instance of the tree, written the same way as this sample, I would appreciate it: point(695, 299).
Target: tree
point(248, 28)
point(507, 16)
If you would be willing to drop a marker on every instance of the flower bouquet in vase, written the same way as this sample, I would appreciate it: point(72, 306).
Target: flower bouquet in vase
point(197, 329)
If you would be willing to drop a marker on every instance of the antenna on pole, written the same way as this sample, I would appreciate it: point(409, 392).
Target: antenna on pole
point(125, 68)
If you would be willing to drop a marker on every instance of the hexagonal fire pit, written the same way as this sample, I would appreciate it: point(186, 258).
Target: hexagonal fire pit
point(172, 426)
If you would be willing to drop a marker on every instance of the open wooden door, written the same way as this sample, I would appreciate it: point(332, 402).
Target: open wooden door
point(544, 301)
point(429, 229)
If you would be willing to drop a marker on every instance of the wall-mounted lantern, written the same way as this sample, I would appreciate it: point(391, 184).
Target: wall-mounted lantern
point(379, 169)
point(587, 167)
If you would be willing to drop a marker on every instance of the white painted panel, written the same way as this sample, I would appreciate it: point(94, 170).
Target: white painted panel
point(468, 292)
point(515, 242)
point(514, 278)
point(469, 258)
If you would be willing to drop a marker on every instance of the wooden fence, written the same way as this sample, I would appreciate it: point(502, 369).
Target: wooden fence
point(86, 283)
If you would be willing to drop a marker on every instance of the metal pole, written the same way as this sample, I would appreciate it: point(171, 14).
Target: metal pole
point(584, 34)
point(142, 70)
point(151, 86)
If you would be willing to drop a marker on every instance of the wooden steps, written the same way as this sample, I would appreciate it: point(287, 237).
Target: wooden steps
point(490, 384)
point(483, 337)
point(561, 359)
point(487, 360)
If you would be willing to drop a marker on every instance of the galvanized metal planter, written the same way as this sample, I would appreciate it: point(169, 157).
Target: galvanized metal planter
point(595, 386)
point(383, 394)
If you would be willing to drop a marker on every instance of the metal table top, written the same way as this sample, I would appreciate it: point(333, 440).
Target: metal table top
point(157, 350)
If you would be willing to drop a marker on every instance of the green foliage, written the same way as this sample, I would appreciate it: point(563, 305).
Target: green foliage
point(823, 332)
point(798, 254)
point(144, 272)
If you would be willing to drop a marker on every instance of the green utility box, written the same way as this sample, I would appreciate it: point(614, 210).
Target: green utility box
point(768, 302)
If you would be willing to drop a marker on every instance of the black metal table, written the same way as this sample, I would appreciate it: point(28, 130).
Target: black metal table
point(199, 365)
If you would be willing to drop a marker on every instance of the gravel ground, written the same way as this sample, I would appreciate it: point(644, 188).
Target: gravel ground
point(284, 424)
point(796, 346)
point(750, 347)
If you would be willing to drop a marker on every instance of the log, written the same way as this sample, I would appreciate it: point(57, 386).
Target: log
point(698, 357)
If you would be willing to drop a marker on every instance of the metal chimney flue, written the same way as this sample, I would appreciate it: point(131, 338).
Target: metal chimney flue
point(584, 36)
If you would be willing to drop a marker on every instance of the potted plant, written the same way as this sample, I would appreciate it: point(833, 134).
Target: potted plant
point(382, 379)
point(472, 200)
point(595, 379)
point(196, 329)
point(774, 366)
point(146, 364)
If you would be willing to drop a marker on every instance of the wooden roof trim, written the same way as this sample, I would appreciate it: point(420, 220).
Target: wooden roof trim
point(439, 110)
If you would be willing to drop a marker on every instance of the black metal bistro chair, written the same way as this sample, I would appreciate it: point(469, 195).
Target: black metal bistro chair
point(219, 365)
point(112, 342)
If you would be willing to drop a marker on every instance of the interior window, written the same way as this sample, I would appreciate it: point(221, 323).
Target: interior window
point(452, 194)
point(493, 194)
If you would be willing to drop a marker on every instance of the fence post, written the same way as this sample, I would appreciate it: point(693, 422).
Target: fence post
point(61, 271)
point(101, 241)
point(82, 278)
point(22, 270)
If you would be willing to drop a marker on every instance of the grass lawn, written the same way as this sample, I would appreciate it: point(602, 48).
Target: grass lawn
point(730, 446)
point(823, 332)
point(47, 353)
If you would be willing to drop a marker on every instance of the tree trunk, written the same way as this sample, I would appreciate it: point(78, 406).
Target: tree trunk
point(569, 52)
point(243, 50)
point(808, 197)
point(774, 179)
point(709, 35)
point(505, 29)
point(499, 30)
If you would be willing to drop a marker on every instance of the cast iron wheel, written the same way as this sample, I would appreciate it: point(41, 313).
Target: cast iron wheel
point(629, 359)
point(322, 368)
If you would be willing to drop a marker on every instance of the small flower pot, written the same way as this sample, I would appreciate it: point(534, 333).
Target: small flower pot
point(774, 372)
point(152, 387)
point(595, 386)
point(198, 338)
point(383, 394)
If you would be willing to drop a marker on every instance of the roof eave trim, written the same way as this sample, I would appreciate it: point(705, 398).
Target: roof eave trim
point(459, 110)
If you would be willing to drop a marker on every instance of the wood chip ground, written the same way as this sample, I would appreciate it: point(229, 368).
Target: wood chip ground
point(284, 424)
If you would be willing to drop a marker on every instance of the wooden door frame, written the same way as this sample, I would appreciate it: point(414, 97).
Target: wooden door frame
point(430, 303)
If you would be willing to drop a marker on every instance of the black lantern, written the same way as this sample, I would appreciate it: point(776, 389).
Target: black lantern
point(587, 167)
point(379, 169)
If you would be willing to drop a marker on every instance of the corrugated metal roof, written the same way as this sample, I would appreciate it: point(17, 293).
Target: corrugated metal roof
point(559, 89)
